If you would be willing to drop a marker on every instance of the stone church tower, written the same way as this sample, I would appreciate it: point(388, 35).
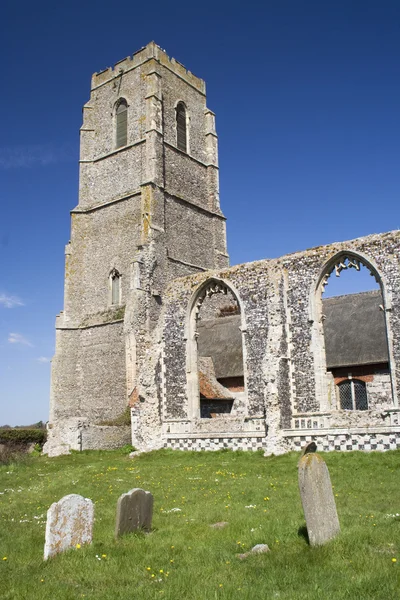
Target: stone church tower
point(148, 213)
point(157, 327)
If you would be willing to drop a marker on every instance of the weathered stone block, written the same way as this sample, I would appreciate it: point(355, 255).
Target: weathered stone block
point(317, 499)
point(69, 522)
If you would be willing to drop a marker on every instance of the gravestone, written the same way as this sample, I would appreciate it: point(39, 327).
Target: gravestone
point(134, 512)
point(69, 523)
point(317, 498)
point(309, 448)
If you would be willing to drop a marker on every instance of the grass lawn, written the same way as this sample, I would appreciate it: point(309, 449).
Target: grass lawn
point(183, 557)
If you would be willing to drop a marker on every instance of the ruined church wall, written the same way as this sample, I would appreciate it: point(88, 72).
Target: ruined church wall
point(277, 298)
point(303, 270)
point(250, 283)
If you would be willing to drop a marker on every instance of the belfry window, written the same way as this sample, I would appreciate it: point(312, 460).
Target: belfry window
point(181, 127)
point(353, 395)
point(115, 287)
point(121, 123)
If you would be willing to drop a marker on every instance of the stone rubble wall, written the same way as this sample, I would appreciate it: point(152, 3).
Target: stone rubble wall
point(280, 346)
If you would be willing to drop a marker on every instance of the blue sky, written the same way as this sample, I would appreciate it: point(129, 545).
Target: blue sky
point(307, 98)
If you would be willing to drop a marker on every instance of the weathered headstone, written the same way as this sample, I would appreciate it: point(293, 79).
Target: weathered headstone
point(134, 512)
point(69, 523)
point(317, 498)
point(308, 448)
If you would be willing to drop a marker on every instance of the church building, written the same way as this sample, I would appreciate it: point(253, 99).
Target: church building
point(156, 325)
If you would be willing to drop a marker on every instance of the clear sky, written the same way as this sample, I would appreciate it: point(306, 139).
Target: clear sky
point(307, 98)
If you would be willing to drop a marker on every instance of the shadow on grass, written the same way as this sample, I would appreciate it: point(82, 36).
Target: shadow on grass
point(302, 532)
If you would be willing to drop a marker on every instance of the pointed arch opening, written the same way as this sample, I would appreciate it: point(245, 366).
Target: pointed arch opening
point(181, 127)
point(351, 341)
point(115, 287)
point(121, 123)
point(215, 353)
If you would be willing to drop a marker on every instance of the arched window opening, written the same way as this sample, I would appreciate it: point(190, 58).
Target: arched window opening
point(353, 395)
point(181, 127)
point(353, 337)
point(115, 278)
point(121, 123)
point(218, 346)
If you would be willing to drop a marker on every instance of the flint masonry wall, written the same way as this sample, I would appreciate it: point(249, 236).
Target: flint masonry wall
point(150, 212)
point(277, 298)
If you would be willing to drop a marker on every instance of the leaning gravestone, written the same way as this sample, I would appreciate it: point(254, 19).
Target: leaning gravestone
point(134, 512)
point(317, 498)
point(69, 523)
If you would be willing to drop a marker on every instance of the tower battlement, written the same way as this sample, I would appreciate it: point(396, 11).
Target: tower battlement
point(145, 54)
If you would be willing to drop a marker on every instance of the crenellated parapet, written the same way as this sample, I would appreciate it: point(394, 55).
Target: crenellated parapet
point(151, 51)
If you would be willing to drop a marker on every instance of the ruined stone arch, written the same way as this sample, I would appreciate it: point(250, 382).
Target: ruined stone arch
point(345, 259)
point(207, 289)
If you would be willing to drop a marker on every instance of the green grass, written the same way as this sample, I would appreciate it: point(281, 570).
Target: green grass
point(183, 558)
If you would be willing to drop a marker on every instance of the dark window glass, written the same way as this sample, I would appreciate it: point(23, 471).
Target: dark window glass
point(346, 401)
point(360, 395)
point(353, 395)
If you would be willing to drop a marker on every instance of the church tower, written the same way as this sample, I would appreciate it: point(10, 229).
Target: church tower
point(148, 212)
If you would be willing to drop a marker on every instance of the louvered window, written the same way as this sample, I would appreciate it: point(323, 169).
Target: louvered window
point(115, 287)
point(353, 395)
point(181, 132)
point(121, 117)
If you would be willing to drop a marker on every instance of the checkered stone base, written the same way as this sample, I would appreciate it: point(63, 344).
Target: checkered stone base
point(346, 441)
point(326, 442)
point(243, 443)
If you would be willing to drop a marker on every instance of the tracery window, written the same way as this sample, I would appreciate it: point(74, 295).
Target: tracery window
point(216, 379)
point(353, 395)
point(121, 123)
point(181, 127)
point(350, 324)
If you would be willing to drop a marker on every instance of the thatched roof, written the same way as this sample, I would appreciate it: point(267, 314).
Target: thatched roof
point(221, 339)
point(355, 332)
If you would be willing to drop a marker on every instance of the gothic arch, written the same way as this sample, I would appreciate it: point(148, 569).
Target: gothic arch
point(205, 290)
point(341, 261)
point(182, 120)
point(120, 122)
